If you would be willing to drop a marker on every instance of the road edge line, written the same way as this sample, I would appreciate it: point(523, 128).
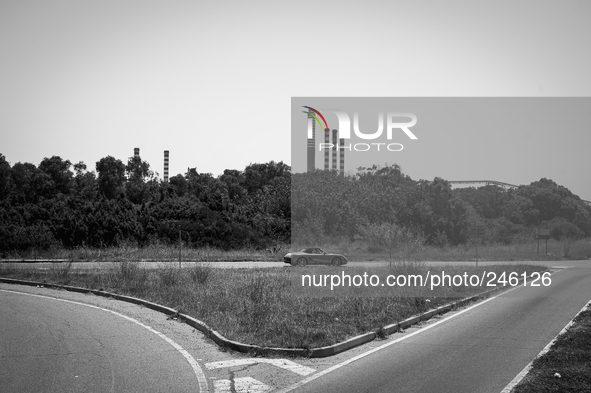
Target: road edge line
point(201, 379)
point(376, 349)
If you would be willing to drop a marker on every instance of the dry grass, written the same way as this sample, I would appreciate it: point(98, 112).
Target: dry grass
point(358, 251)
point(160, 253)
point(355, 251)
point(258, 306)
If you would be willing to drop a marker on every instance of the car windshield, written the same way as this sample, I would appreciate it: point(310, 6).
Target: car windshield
point(313, 251)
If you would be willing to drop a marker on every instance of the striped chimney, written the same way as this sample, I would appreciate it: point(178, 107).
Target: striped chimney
point(326, 149)
point(342, 155)
point(165, 165)
point(335, 136)
point(311, 151)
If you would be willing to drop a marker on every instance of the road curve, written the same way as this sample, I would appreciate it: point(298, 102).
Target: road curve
point(480, 350)
point(52, 345)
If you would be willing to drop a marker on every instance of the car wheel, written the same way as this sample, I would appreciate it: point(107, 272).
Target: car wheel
point(336, 261)
point(302, 261)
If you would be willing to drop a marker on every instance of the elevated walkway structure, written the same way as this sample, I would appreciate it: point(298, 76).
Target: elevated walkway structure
point(484, 182)
point(494, 183)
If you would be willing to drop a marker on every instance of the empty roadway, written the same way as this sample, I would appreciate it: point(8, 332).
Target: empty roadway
point(50, 345)
point(480, 350)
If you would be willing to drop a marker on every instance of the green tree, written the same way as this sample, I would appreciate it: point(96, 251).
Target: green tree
point(59, 172)
point(85, 183)
point(30, 183)
point(111, 176)
point(140, 180)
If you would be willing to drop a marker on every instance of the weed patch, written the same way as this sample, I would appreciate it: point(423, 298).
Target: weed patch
point(565, 367)
point(257, 306)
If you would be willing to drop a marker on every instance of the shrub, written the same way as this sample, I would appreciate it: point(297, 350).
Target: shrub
point(199, 273)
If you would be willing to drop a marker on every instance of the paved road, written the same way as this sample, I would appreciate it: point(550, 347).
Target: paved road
point(480, 350)
point(53, 346)
point(48, 345)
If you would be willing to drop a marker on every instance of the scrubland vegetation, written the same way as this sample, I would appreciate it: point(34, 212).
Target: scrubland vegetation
point(263, 306)
point(124, 212)
point(49, 208)
point(381, 209)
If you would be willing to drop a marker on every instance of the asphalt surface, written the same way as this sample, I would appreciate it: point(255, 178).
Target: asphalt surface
point(480, 350)
point(48, 345)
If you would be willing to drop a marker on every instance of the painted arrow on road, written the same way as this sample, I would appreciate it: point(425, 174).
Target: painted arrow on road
point(249, 384)
point(240, 385)
point(281, 363)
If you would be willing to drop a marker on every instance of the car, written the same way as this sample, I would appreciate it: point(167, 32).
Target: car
point(314, 256)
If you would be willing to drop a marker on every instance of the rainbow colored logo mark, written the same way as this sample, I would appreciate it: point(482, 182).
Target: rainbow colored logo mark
point(314, 112)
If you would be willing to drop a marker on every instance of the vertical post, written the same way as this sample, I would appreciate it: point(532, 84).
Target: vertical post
point(326, 149)
point(342, 155)
point(390, 238)
point(180, 246)
point(335, 137)
point(166, 157)
point(311, 158)
point(539, 246)
point(546, 246)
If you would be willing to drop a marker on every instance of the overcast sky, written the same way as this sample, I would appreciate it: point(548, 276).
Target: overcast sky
point(212, 81)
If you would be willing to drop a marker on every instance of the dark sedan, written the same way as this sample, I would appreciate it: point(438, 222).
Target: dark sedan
point(314, 256)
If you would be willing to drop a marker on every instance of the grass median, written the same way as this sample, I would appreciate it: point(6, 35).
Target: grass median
point(566, 367)
point(265, 306)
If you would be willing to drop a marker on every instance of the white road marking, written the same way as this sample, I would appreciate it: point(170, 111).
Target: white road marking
point(203, 386)
point(241, 385)
point(282, 363)
point(526, 369)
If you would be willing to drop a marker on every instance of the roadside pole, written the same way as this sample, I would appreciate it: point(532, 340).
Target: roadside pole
point(390, 236)
point(542, 234)
point(477, 231)
point(180, 247)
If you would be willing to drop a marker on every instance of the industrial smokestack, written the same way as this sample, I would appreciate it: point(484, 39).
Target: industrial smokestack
point(136, 152)
point(342, 155)
point(165, 165)
point(311, 151)
point(335, 136)
point(326, 149)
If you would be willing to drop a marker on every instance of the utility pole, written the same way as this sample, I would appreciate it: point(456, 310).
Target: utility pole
point(180, 246)
point(477, 231)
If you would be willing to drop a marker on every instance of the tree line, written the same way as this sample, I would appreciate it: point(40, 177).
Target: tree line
point(60, 204)
point(381, 200)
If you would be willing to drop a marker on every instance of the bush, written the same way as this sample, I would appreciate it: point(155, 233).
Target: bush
point(59, 272)
point(199, 273)
point(169, 276)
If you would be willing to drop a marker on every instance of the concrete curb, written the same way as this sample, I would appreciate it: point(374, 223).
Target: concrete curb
point(257, 350)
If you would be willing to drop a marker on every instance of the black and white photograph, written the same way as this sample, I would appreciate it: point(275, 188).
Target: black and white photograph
point(271, 196)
